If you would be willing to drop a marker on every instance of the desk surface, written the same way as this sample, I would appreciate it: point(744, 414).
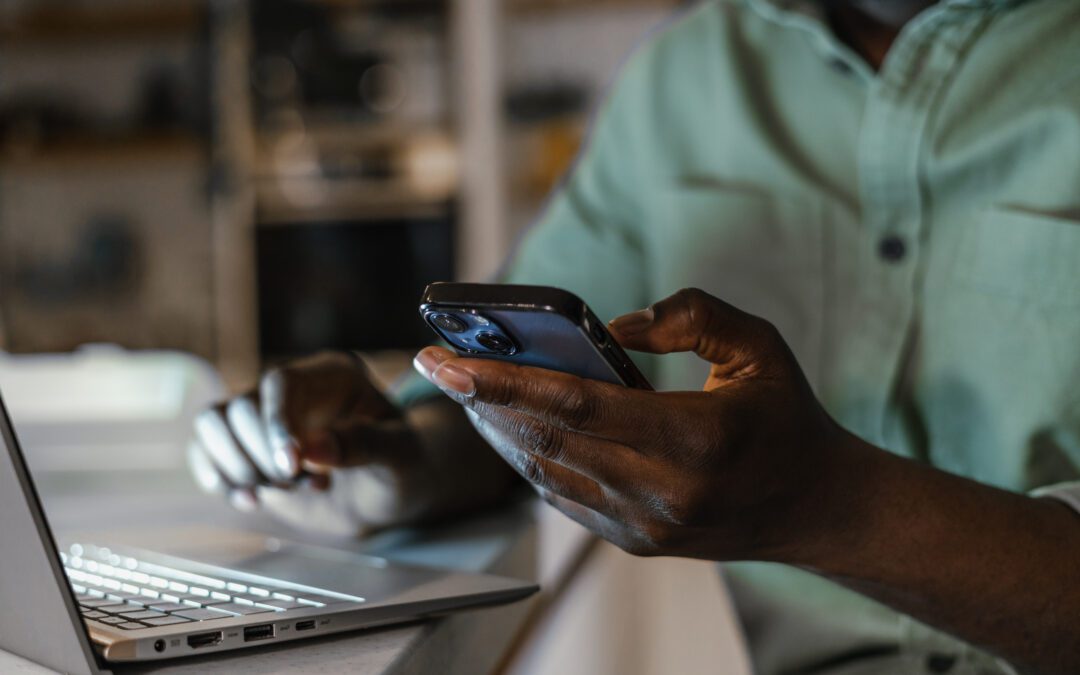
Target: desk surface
point(468, 642)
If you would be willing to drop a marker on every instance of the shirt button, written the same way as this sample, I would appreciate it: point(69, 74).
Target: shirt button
point(841, 66)
point(892, 248)
point(940, 663)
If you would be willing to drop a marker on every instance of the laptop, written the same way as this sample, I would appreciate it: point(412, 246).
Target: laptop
point(77, 606)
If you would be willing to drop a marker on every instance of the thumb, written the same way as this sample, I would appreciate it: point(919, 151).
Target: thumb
point(359, 441)
point(691, 320)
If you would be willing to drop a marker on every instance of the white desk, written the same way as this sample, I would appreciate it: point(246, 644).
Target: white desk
point(470, 642)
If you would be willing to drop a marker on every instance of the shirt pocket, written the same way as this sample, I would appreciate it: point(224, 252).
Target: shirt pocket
point(759, 252)
point(1023, 256)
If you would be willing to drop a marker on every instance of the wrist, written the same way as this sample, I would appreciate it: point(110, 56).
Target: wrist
point(843, 507)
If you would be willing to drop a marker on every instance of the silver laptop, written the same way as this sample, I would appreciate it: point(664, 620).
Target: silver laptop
point(75, 606)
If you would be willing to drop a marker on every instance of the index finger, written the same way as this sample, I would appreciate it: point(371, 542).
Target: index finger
point(285, 447)
point(565, 401)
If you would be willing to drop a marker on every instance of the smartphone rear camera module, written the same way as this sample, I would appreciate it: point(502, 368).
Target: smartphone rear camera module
point(498, 344)
point(449, 323)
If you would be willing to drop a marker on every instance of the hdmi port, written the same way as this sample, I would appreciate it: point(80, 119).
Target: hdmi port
point(200, 640)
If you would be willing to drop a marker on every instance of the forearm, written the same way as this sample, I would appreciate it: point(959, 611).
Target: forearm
point(468, 475)
point(996, 569)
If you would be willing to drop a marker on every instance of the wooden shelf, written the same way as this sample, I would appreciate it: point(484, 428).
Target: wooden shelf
point(65, 22)
point(83, 149)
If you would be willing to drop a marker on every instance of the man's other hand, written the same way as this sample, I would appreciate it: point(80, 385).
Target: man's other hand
point(318, 446)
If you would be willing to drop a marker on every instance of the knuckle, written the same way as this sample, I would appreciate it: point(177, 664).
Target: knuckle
point(531, 468)
point(275, 380)
point(537, 438)
point(578, 406)
point(682, 511)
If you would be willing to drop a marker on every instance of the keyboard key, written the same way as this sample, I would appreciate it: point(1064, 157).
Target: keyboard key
point(103, 602)
point(283, 604)
point(93, 614)
point(121, 609)
point(145, 614)
point(192, 598)
point(130, 625)
point(112, 620)
point(166, 621)
point(127, 597)
point(242, 610)
point(201, 614)
point(247, 598)
point(169, 607)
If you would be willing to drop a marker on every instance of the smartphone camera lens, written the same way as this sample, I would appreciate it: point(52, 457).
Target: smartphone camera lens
point(448, 322)
point(496, 343)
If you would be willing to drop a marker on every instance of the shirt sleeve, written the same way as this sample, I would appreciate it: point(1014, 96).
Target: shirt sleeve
point(589, 238)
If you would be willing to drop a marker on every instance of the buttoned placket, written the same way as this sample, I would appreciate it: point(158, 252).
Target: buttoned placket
point(893, 143)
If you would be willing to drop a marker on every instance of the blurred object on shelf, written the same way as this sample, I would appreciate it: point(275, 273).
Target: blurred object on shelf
point(103, 265)
point(551, 148)
point(342, 62)
point(106, 247)
point(340, 172)
point(541, 102)
point(547, 129)
point(348, 285)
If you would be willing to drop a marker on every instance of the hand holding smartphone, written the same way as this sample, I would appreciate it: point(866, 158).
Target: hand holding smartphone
point(538, 326)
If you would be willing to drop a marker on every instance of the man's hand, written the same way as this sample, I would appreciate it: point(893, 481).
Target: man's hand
point(753, 468)
point(320, 447)
point(730, 472)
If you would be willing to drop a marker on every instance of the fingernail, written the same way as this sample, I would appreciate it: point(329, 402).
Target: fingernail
point(285, 459)
point(243, 500)
point(426, 362)
point(634, 322)
point(449, 376)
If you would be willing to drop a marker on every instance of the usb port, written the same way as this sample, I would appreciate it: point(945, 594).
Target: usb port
point(305, 625)
point(260, 632)
point(200, 640)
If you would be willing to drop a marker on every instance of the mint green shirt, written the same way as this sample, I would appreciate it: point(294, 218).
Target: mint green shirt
point(914, 233)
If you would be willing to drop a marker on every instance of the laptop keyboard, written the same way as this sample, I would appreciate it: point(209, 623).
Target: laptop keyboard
point(131, 594)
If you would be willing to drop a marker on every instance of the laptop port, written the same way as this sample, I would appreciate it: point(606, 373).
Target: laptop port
point(200, 640)
point(305, 625)
point(260, 632)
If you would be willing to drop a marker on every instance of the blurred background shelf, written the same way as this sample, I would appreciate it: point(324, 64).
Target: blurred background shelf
point(250, 180)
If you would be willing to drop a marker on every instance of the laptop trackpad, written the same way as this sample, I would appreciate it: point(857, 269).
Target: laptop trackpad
point(354, 574)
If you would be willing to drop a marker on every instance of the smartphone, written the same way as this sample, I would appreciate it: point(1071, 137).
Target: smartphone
point(536, 326)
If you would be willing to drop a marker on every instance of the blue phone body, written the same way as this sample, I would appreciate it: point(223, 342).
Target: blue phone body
point(536, 326)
